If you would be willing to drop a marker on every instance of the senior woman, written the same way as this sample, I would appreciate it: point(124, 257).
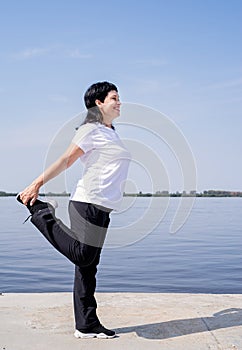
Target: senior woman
point(98, 192)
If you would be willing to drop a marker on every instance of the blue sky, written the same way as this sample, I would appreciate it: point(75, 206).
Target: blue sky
point(183, 58)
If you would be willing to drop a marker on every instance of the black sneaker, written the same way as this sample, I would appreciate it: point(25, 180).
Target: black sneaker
point(95, 332)
point(39, 205)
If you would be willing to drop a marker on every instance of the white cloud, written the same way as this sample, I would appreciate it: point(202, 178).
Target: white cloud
point(58, 50)
point(30, 53)
point(77, 54)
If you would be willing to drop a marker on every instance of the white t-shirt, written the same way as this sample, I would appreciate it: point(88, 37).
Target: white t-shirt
point(106, 162)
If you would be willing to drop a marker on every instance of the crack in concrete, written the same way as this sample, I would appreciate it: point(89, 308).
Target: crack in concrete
point(211, 332)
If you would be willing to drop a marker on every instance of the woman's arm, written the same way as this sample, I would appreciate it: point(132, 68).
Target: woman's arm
point(31, 192)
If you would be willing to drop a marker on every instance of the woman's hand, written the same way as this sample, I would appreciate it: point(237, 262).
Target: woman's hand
point(30, 193)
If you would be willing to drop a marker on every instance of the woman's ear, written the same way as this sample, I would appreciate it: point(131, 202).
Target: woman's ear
point(98, 103)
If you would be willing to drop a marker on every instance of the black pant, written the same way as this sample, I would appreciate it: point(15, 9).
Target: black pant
point(82, 245)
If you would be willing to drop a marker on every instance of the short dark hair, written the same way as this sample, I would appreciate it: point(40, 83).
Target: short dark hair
point(97, 91)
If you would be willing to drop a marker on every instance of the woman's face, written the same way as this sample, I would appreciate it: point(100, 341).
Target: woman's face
point(110, 107)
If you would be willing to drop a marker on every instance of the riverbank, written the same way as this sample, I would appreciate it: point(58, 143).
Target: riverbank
point(142, 321)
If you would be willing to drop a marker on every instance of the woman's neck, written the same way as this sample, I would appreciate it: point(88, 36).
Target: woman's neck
point(108, 125)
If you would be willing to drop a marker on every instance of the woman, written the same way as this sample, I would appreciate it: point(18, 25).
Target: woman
point(97, 193)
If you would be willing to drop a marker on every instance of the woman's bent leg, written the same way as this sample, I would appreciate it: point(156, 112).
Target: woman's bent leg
point(64, 239)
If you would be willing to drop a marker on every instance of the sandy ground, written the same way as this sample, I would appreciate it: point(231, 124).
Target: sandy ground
point(142, 321)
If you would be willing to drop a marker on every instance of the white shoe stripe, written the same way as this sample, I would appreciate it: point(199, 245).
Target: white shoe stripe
point(81, 335)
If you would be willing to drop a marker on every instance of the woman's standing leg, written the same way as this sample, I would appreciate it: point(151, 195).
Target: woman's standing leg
point(85, 304)
point(85, 277)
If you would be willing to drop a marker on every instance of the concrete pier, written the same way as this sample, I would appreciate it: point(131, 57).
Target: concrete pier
point(44, 321)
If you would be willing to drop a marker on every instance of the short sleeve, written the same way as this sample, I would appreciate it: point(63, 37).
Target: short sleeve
point(84, 137)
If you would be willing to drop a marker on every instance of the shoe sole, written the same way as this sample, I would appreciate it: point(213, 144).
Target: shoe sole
point(81, 335)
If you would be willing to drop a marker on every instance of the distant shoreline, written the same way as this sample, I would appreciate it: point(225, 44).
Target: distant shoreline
point(209, 193)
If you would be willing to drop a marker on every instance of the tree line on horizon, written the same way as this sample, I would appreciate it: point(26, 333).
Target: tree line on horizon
point(207, 193)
